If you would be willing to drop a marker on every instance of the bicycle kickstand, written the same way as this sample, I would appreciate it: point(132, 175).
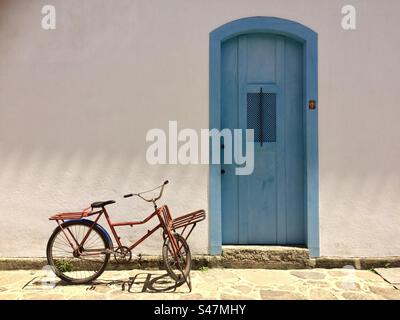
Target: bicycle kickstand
point(187, 278)
point(188, 281)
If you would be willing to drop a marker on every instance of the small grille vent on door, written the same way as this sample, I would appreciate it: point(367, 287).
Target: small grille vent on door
point(261, 116)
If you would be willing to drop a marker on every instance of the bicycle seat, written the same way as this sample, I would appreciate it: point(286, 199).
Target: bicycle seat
point(101, 204)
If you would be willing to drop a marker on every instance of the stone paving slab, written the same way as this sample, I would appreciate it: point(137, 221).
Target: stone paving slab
point(390, 275)
point(229, 284)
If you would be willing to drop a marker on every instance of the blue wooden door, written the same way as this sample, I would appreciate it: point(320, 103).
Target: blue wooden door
point(262, 89)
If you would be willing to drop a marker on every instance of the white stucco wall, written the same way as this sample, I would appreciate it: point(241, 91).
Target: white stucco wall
point(76, 103)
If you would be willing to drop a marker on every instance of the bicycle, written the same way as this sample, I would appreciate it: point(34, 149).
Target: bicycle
point(79, 248)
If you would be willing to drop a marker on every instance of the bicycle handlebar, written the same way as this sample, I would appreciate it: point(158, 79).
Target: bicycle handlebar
point(149, 200)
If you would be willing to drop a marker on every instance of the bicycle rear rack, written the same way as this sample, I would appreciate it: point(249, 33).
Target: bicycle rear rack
point(74, 215)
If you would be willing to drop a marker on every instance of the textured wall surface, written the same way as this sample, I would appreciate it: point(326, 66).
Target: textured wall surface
point(76, 103)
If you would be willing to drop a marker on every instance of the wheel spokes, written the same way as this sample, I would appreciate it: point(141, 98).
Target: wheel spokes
point(82, 263)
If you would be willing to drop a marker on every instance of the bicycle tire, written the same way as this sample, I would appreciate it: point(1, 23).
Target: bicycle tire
point(170, 262)
point(56, 269)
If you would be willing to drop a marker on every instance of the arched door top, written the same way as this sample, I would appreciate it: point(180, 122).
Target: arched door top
point(273, 25)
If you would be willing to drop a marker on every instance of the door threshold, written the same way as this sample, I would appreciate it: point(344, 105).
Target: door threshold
point(266, 257)
point(263, 247)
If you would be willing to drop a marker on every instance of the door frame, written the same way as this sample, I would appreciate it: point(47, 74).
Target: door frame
point(309, 38)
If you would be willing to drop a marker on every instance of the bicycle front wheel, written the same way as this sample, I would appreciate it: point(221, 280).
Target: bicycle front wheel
point(179, 264)
point(77, 263)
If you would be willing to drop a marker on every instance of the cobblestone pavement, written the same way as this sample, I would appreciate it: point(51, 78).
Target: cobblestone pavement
point(209, 284)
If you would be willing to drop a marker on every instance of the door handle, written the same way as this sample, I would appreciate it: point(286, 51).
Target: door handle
point(222, 171)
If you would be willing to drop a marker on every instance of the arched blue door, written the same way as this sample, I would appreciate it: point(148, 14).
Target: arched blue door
point(262, 89)
point(266, 67)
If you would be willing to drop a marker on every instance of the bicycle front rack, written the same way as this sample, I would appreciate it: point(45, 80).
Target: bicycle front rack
point(188, 222)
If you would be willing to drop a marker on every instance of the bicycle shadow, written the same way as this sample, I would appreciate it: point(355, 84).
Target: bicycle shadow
point(144, 282)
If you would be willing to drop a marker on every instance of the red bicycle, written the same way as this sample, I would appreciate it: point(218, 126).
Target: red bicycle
point(79, 249)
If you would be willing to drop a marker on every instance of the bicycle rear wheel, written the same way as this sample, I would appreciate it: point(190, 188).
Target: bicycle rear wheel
point(78, 265)
point(180, 264)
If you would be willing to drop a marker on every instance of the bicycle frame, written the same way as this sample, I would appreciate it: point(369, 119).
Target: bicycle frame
point(165, 222)
point(157, 212)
